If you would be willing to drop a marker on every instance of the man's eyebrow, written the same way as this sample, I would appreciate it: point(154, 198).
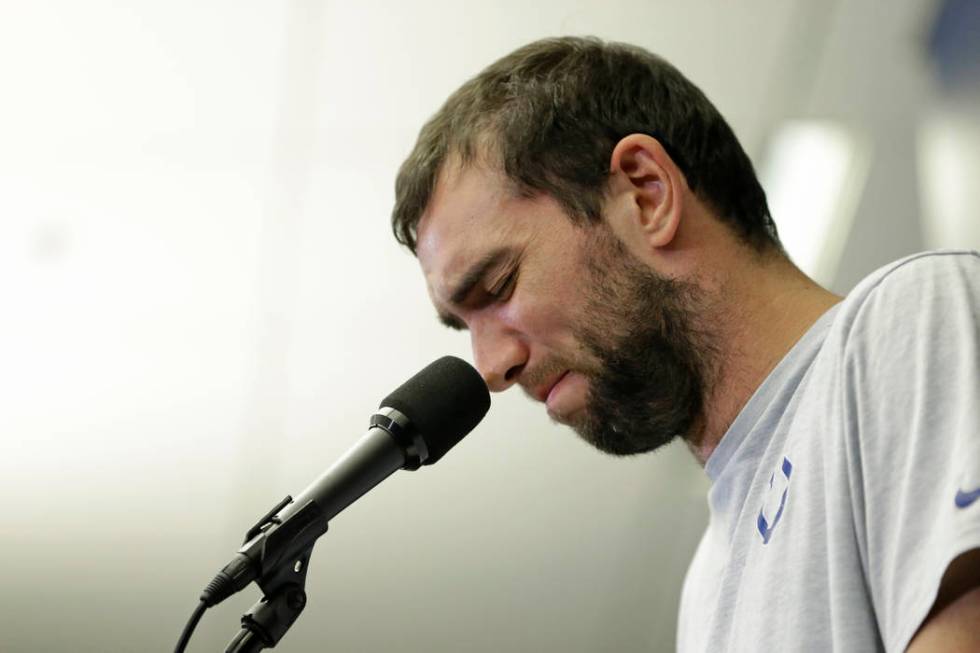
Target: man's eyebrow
point(476, 272)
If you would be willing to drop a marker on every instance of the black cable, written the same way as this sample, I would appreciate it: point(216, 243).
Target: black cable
point(191, 625)
point(245, 641)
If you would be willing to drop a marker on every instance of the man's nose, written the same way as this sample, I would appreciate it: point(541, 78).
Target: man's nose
point(500, 354)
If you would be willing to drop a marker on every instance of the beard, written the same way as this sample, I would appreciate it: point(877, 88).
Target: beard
point(652, 361)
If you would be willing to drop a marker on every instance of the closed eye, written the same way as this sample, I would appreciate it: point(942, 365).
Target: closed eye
point(452, 322)
point(499, 293)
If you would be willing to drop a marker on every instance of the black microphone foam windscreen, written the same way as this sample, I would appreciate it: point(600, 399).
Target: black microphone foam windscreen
point(444, 402)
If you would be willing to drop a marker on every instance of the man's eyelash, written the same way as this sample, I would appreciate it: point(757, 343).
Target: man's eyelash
point(501, 288)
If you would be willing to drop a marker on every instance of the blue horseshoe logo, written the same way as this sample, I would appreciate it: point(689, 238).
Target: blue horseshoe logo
point(765, 528)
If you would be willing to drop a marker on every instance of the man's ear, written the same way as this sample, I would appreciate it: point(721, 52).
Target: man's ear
point(650, 189)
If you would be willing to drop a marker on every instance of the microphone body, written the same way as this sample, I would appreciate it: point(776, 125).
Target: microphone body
point(375, 457)
point(416, 425)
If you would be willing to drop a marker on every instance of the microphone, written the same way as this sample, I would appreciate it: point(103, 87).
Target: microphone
point(415, 425)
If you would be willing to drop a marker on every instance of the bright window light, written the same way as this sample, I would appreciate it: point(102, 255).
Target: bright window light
point(949, 164)
point(813, 173)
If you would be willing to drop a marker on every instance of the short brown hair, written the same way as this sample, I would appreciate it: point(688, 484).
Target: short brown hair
point(549, 116)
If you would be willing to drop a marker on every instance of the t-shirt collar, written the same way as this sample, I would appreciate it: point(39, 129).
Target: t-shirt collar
point(782, 380)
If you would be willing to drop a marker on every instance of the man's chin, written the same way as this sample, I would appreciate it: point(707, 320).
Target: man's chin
point(582, 425)
point(618, 443)
point(573, 420)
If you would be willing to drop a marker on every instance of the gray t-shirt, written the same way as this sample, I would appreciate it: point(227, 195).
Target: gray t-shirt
point(851, 478)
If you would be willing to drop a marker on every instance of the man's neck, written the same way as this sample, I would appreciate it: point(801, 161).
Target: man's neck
point(760, 314)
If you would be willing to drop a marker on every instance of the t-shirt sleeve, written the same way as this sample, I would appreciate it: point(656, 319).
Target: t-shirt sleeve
point(912, 390)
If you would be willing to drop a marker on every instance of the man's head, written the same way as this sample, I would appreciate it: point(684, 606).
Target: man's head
point(549, 116)
point(559, 204)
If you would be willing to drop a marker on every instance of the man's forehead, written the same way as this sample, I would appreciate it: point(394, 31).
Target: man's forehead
point(465, 218)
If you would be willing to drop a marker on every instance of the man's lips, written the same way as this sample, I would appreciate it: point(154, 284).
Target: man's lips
point(543, 391)
point(554, 386)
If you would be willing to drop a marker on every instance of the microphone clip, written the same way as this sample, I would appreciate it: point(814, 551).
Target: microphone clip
point(283, 547)
point(283, 600)
point(269, 519)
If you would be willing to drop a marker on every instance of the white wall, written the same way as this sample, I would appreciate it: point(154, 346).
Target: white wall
point(202, 305)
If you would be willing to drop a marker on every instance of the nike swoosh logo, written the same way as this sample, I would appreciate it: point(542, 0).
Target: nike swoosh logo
point(964, 499)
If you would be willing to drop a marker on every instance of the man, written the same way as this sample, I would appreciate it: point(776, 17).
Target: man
point(589, 216)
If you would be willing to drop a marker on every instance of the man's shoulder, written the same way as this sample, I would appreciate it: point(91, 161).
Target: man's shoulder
point(917, 269)
point(917, 286)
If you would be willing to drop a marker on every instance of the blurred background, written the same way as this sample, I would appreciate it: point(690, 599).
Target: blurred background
point(201, 303)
